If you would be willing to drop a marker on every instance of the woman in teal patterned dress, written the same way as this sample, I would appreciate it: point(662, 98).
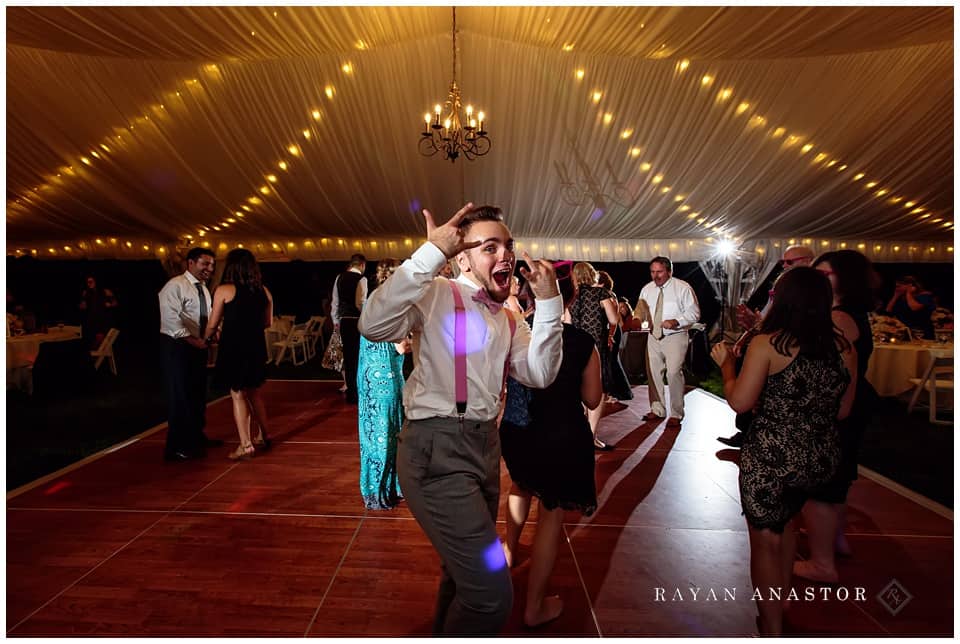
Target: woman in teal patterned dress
point(380, 410)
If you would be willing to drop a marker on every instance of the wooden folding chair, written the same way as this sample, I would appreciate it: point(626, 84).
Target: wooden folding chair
point(938, 377)
point(105, 351)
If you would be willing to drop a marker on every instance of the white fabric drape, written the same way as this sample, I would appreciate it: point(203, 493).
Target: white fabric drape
point(206, 101)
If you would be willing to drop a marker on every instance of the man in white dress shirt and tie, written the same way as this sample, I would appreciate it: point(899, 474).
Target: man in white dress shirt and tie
point(673, 306)
point(184, 308)
point(448, 458)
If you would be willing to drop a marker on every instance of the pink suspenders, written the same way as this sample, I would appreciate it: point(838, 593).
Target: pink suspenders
point(460, 349)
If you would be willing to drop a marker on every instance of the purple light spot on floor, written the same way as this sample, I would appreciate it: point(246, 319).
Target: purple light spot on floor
point(415, 206)
point(493, 557)
point(596, 214)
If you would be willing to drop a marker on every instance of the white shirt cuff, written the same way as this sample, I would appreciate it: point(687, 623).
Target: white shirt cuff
point(428, 259)
point(549, 310)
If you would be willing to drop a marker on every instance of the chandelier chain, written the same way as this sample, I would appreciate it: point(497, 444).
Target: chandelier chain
point(454, 135)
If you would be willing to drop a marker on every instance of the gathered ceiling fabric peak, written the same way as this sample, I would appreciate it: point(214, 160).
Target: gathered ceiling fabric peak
point(219, 34)
point(158, 126)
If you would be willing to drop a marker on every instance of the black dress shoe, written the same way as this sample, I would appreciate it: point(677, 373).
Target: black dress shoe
point(734, 441)
point(183, 455)
point(212, 442)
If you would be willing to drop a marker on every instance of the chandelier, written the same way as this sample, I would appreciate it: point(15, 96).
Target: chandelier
point(454, 136)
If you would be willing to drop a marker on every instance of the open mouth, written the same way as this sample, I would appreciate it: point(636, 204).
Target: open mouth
point(502, 277)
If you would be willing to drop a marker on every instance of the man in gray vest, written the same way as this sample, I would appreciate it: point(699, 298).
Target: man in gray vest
point(349, 294)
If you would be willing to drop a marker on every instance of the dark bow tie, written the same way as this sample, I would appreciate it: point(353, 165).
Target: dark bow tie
point(484, 298)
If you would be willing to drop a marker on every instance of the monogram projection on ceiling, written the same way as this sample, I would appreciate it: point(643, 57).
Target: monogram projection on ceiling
point(616, 133)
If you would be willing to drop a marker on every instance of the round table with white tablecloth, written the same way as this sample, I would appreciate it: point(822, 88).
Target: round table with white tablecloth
point(892, 365)
point(22, 352)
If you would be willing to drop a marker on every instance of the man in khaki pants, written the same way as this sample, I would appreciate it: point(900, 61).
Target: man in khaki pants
point(673, 306)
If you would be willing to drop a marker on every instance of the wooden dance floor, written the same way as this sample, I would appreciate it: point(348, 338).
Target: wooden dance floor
point(127, 544)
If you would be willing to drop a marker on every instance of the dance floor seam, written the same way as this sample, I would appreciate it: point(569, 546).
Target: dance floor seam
point(281, 546)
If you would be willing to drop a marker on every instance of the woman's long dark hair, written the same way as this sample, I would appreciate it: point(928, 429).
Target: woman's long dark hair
point(242, 270)
point(857, 282)
point(800, 315)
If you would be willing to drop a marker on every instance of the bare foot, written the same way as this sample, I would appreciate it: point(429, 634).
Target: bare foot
point(549, 609)
point(813, 572)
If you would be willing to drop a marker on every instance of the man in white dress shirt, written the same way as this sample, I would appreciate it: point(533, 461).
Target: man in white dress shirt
point(184, 309)
point(448, 458)
point(673, 307)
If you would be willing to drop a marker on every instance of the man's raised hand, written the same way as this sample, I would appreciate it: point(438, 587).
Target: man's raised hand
point(541, 276)
point(448, 237)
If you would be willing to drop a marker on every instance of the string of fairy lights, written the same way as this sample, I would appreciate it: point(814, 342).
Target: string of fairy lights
point(755, 121)
point(297, 149)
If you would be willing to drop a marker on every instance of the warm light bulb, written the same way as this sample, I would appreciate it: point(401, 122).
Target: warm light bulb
point(635, 152)
point(682, 65)
point(315, 114)
point(306, 134)
point(871, 184)
point(597, 95)
point(580, 74)
point(347, 68)
point(328, 90)
point(446, 124)
point(858, 176)
point(806, 148)
point(426, 118)
point(294, 150)
point(607, 118)
point(282, 165)
point(469, 110)
point(626, 134)
point(437, 108)
point(743, 107)
point(265, 190)
point(706, 80)
point(473, 122)
point(645, 166)
point(480, 117)
point(272, 178)
point(657, 179)
point(724, 94)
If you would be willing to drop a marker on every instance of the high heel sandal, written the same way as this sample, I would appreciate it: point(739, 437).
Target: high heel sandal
point(262, 443)
point(242, 453)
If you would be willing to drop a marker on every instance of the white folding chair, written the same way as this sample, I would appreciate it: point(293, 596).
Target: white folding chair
point(316, 334)
point(296, 340)
point(937, 378)
point(105, 351)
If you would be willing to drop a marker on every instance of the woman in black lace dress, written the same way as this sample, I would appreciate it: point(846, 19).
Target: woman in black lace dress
point(595, 311)
point(245, 307)
point(796, 377)
point(551, 457)
point(615, 383)
point(854, 284)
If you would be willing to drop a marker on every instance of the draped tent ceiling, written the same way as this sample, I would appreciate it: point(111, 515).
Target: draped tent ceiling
point(617, 133)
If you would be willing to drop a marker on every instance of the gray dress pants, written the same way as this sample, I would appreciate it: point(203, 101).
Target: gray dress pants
point(450, 477)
